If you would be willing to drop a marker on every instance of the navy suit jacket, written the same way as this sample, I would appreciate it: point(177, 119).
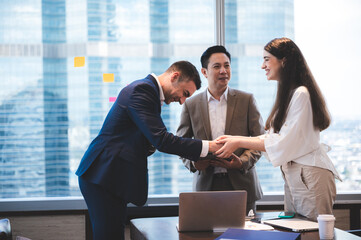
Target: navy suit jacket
point(117, 158)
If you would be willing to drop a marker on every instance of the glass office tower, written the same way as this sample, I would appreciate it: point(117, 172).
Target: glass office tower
point(34, 117)
point(33, 100)
point(55, 99)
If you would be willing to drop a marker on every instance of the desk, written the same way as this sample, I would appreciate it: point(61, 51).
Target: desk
point(164, 228)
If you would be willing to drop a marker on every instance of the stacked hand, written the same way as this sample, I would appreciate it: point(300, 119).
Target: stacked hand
point(223, 147)
point(202, 164)
point(214, 146)
point(228, 145)
point(234, 162)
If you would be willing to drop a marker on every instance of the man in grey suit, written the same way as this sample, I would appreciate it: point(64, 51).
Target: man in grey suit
point(218, 111)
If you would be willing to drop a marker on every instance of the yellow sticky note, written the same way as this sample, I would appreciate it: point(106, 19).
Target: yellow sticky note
point(108, 77)
point(79, 61)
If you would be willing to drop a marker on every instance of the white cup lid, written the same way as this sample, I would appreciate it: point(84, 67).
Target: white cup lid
point(326, 217)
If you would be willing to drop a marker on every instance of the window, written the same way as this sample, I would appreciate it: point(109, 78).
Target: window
point(51, 110)
point(329, 42)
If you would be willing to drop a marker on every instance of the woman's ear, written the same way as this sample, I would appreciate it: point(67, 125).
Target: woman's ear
point(283, 62)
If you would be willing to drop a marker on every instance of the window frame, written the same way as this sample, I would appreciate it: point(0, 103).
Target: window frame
point(78, 203)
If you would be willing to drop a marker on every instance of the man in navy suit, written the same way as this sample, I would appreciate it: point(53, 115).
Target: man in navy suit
point(113, 171)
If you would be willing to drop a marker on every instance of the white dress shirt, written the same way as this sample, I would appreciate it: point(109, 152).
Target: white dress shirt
point(205, 144)
point(217, 118)
point(298, 140)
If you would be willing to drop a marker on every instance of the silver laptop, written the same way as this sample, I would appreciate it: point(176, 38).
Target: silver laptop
point(293, 224)
point(211, 210)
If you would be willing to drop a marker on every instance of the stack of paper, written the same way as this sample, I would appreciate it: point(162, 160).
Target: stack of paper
point(257, 226)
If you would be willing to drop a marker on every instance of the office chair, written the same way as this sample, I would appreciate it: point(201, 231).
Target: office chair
point(5, 229)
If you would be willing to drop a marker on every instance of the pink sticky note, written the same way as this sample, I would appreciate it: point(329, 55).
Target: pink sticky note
point(112, 99)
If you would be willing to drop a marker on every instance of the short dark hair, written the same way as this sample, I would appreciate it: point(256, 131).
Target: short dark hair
point(188, 72)
point(211, 50)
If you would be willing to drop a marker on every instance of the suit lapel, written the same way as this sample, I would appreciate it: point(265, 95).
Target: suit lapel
point(205, 115)
point(231, 105)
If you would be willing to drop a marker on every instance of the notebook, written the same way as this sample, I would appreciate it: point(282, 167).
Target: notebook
point(211, 210)
point(293, 224)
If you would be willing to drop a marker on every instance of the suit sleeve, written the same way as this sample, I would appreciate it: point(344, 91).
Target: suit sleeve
point(143, 109)
point(185, 130)
point(255, 128)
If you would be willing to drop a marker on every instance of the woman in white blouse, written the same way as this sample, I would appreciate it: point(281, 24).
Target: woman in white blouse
point(293, 129)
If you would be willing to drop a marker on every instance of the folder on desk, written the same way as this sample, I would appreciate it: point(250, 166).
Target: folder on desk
point(243, 234)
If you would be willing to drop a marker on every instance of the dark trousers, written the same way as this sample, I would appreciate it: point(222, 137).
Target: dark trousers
point(107, 212)
point(221, 182)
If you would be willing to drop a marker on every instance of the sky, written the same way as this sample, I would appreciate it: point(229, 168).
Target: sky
point(328, 32)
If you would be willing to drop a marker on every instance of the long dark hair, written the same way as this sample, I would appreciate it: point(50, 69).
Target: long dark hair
point(294, 73)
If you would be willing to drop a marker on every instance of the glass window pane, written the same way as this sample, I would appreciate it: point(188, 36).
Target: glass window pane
point(51, 110)
point(329, 39)
point(190, 31)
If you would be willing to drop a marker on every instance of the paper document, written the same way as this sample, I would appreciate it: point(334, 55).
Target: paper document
point(257, 226)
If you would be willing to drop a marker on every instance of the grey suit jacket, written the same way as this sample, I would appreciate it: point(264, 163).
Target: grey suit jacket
point(242, 119)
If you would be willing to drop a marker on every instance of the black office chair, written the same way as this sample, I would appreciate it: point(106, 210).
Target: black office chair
point(5, 229)
point(356, 232)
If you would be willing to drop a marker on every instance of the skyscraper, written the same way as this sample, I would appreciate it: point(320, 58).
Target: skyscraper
point(34, 117)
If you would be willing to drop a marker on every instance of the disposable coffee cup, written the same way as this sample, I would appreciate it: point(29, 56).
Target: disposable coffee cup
point(326, 223)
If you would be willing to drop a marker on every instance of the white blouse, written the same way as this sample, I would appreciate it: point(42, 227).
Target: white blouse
point(298, 140)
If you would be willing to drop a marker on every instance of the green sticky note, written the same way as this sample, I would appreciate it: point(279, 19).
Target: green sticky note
point(108, 77)
point(79, 61)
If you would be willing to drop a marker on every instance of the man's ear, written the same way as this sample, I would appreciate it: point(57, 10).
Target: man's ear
point(174, 77)
point(204, 72)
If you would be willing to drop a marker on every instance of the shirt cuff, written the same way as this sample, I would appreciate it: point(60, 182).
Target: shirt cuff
point(205, 148)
